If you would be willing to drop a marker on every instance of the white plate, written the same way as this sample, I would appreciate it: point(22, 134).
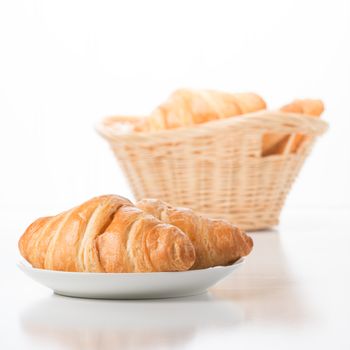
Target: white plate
point(129, 285)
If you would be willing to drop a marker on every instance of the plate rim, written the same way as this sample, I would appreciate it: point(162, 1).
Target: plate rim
point(25, 265)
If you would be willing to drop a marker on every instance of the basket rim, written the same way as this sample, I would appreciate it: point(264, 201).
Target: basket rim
point(264, 121)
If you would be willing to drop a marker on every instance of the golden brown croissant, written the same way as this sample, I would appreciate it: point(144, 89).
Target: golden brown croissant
point(106, 234)
point(186, 107)
point(276, 143)
point(217, 242)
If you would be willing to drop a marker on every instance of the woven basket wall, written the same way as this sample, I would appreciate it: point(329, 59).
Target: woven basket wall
point(215, 168)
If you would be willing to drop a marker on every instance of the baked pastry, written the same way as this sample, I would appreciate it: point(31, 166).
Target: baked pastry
point(106, 234)
point(186, 107)
point(307, 106)
point(217, 242)
point(278, 143)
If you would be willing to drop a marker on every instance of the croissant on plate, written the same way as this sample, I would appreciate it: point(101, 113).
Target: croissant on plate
point(106, 234)
point(110, 234)
point(186, 107)
point(216, 242)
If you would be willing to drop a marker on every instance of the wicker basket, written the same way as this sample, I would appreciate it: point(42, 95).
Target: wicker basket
point(215, 168)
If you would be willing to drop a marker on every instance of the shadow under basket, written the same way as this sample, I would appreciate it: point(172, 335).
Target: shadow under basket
point(216, 168)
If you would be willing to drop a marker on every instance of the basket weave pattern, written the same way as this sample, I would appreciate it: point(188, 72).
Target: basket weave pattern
point(215, 168)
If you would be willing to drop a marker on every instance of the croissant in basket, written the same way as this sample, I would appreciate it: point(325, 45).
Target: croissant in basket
point(186, 107)
point(282, 143)
point(110, 234)
point(222, 154)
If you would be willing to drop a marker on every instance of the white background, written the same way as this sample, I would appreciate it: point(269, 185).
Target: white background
point(66, 64)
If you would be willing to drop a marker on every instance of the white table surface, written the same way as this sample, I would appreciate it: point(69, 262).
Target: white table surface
point(292, 293)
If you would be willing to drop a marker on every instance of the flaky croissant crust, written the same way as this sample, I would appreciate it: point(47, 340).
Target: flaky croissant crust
point(217, 242)
point(106, 234)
